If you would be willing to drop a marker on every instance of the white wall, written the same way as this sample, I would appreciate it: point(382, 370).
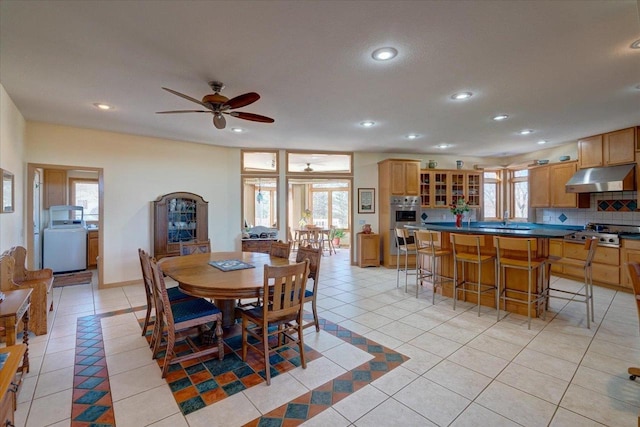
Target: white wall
point(136, 171)
point(12, 126)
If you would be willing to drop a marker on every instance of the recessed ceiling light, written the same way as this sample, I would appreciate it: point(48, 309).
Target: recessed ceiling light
point(413, 136)
point(237, 130)
point(443, 146)
point(526, 132)
point(542, 141)
point(461, 95)
point(635, 44)
point(500, 117)
point(102, 106)
point(384, 54)
point(367, 123)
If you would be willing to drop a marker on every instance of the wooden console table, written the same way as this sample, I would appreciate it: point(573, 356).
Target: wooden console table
point(14, 308)
point(8, 384)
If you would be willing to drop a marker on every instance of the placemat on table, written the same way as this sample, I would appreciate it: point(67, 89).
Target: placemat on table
point(230, 265)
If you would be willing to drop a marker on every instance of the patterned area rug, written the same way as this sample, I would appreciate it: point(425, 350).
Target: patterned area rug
point(80, 278)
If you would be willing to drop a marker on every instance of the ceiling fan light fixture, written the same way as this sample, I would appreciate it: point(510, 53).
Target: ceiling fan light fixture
point(308, 168)
point(219, 121)
point(384, 53)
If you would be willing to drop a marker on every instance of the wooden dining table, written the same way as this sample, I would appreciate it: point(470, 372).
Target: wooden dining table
point(195, 276)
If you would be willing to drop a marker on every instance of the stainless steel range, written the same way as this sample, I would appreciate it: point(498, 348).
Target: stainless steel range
point(607, 234)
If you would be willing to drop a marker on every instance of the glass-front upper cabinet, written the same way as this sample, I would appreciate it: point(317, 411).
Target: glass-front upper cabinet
point(178, 217)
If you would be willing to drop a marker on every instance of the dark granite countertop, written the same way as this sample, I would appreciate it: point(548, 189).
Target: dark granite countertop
point(495, 228)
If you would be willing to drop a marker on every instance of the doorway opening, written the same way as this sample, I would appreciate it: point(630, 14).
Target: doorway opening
point(323, 203)
point(62, 185)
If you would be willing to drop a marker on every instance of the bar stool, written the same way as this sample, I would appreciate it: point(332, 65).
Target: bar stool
point(474, 256)
point(590, 247)
point(428, 247)
point(406, 246)
point(529, 262)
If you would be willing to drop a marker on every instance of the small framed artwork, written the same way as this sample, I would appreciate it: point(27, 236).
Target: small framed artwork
point(6, 191)
point(366, 200)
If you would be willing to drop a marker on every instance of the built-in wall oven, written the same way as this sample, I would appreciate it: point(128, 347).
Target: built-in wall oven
point(405, 210)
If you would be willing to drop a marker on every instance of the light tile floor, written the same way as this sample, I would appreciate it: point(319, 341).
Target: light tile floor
point(463, 370)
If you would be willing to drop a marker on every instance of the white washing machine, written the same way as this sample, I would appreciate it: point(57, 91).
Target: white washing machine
point(65, 240)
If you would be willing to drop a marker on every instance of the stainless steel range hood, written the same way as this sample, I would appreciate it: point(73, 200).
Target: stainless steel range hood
point(596, 180)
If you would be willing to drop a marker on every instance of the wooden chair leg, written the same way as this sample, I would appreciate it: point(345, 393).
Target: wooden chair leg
point(301, 346)
point(315, 315)
point(244, 339)
point(265, 348)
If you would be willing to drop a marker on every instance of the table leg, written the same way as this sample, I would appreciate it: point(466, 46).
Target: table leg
point(25, 341)
point(10, 329)
point(228, 308)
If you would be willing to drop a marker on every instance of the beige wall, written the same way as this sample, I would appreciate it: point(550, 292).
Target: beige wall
point(12, 126)
point(136, 171)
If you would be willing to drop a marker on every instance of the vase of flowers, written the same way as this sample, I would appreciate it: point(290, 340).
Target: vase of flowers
point(304, 220)
point(458, 208)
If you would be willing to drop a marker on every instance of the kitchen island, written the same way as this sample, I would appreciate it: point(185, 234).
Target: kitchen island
point(515, 279)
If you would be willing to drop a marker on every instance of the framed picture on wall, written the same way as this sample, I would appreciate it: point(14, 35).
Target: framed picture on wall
point(366, 200)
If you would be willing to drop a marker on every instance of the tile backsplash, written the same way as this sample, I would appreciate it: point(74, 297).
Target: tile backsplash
point(608, 208)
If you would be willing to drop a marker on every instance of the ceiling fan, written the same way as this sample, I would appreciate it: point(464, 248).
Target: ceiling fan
point(218, 105)
point(308, 168)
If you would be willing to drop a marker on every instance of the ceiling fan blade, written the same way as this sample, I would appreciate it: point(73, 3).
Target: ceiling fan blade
point(252, 117)
point(219, 121)
point(182, 95)
point(242, 100)
point(183, 111)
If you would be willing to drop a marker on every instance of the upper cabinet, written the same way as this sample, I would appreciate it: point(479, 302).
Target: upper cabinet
point(612, 148)
point(440, 188)
point(547, 187)
point(399, 177)
point(55, 187)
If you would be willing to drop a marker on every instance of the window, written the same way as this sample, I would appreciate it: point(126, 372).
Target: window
point(330, 204)
point(260, 204)
point(84, 192)
point(519, 190)
point(492, 194)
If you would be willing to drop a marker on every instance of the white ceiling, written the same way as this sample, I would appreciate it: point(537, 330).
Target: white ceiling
point(562, 68)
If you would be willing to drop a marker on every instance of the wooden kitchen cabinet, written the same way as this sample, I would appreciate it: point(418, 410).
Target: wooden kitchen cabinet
point(619, 147)
point(178, 217)
point(609, 149)
point(547, 187)
point(539, 187)
point(630, 253)
point(439, 189)
point(399, 177)
point(555, 249)
point(55, 188)
point(368, 250)
point(92, 248)
point(606, 263)
point(559, 174)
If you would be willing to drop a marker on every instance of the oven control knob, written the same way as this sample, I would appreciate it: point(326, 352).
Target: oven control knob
point(583, 237)
point(610, 240)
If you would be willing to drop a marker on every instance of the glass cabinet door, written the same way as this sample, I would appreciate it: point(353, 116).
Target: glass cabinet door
point(181, 220)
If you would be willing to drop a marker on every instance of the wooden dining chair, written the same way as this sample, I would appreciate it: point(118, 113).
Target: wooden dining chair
point(195, 247)
point(280, 316)
point(280, 249)
point(173, 293)
point(634, 275)
point(314, 255)
point(183, 316)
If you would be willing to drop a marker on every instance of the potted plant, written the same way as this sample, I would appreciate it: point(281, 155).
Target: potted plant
point(337, 234)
